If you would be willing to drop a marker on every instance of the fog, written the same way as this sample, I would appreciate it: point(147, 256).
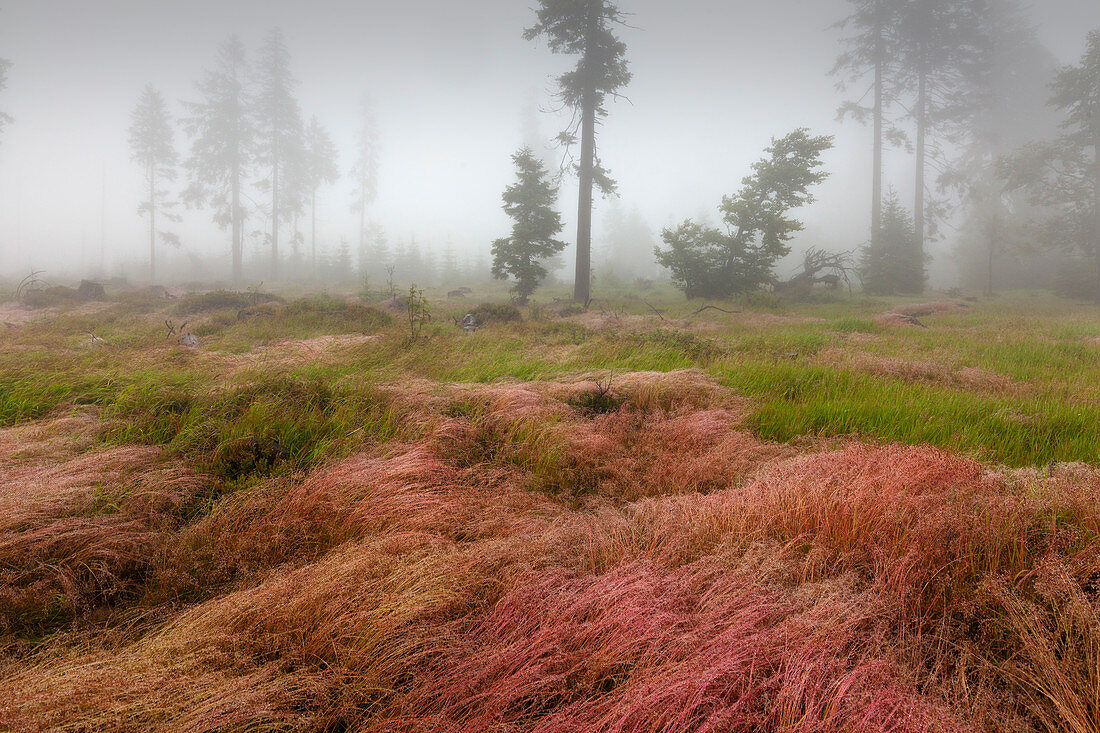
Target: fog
point(456, 90)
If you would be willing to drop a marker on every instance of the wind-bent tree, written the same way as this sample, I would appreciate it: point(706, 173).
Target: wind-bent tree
point(530, 202)
point(708, 263)
point(152, 147)
point(585, 28)
point(320, 168)
point(871, 51)
point(223, 137)
point(365, 170)
point(279, 131)
point(1064, 175)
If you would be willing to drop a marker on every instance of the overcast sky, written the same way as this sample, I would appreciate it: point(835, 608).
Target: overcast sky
point(452, 83)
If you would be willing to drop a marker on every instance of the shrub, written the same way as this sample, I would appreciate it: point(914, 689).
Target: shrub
point(1076, 280)
point(221, 300)
point(497, 313)
point(892, 265)
point(52, 296)
point(338, 314)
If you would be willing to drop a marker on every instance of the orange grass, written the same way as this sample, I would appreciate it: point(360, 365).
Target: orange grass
point(694, 579)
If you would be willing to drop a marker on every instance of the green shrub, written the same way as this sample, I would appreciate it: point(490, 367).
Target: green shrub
point(221, 300)
point(52, 296)
point(497, 313)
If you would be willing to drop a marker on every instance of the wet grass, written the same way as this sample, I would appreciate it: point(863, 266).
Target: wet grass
point(787, 363)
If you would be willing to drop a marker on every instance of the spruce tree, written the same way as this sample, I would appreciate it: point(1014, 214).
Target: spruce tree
point(320, 168)
point(280, 134)
point(152, 147)
point(871, 50)
point(530, 203)
point(890, 264)
point(585, 28)
point(223, 139)
point(1063, 176)
point(365, 170)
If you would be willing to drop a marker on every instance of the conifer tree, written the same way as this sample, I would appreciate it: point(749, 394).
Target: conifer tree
point(152, 147)
point(889, 264)
point(584, 28)
point(1063, 175)
point(320, 168)
point(223, 139)
point(530, 202)
point(280, 135)
point(365, 170)
point(871, 50)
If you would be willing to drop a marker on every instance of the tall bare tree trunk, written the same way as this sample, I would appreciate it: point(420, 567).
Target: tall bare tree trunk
point(313, 230)
point(275, 212)
point(238, 234)
point(363, 231)
point(876, 185)
point(582, 286)
point(1096, 199)
point(994, 226)
point(152, 224)
point(918, 206)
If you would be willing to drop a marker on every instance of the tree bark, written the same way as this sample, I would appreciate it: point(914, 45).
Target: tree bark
point(152, 224)
point(582, 282)
point(1096, 201)
point(993, 233)
point(363, 228)
point(918, 205)
point(876, 186)
point(275, 211)
point(238, 235)
point(582, 288)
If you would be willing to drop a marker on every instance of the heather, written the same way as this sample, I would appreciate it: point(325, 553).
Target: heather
point(788, 519)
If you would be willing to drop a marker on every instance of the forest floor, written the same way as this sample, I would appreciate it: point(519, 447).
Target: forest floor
point(641, 517)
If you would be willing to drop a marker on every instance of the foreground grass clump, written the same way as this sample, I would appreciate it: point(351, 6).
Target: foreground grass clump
point(867, 588)
point(628, 520)
point(259, 426)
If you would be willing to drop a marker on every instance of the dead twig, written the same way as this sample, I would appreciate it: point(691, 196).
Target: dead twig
point(659, 313)
point(713, 307)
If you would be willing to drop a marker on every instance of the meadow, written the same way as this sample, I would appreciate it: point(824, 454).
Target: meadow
point(645, 516)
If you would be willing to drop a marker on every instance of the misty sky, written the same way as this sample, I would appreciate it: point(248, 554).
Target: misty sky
point(452, 83)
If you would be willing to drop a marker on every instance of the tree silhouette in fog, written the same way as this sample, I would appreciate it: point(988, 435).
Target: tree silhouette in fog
point(938, 41)
point(280, 135)
point(223, 144)
point(152, 147)
point(5, 65)
point(365, 170)
point(585, 28)
point(320, 167)
point(1064, 175)
point(871, 50)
